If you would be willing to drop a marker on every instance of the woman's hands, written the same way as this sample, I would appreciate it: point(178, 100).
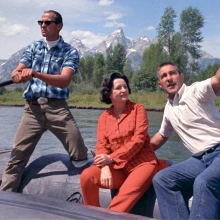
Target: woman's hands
point(106, 177)
point(101, 160)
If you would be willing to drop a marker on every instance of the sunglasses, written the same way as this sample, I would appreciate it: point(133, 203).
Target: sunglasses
point(46, 22)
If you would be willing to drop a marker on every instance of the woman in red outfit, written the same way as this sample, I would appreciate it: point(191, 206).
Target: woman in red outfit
point(124, 159)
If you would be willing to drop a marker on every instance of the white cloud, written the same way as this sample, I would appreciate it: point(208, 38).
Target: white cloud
point(10, 30)
point(2, 19)
point(150, 28)
point(106, 2)
point(45, 3)
point(114, 16)
point(88, 38)
point(29, 3)
point(114, 24)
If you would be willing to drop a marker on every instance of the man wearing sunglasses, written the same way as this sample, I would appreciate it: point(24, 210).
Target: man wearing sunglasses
point(49, 66)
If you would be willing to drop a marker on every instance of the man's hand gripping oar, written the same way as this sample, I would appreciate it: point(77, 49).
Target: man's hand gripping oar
point(19, 76)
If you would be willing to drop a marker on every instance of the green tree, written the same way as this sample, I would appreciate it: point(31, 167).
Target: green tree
point(116, 58)
point(146, 77)
point(165, 29)
point(119, 57)
point(191, 22)
point(128, 70)
point(81, 69)
point(178, 53)
point(88, 68)
point(109, 59)
point(208, 72)
point(99, 70)
point(138, 81)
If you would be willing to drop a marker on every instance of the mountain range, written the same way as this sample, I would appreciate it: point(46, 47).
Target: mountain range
point(134, 51)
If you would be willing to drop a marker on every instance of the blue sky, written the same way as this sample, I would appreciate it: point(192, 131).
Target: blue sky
point(92, 20)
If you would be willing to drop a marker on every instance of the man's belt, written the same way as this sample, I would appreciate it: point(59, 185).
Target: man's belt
point(209, 151)
point(41, 101)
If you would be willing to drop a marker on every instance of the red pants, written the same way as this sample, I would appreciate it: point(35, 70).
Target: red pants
point(131, 185)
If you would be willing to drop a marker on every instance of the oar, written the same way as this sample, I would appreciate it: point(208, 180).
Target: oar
point(4, 151)
point(6, 83)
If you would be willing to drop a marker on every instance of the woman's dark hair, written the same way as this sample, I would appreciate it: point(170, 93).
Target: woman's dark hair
point(107, 85)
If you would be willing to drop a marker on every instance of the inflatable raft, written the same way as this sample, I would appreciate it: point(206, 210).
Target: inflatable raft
point(55, 176)
point(20, 206)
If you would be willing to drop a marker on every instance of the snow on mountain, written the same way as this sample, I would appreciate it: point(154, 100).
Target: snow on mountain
point(134, 51)
point(113, 39)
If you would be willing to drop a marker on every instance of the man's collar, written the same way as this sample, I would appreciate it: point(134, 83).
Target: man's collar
point(59, 43)
point(178, 95)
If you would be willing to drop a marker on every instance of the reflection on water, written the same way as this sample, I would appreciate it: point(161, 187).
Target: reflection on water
point(87, 122)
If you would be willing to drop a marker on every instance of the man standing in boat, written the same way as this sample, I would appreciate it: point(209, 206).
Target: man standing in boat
point(191, 112)
point(49, 66)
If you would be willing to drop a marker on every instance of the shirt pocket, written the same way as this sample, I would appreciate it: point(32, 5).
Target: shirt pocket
point(56, 64)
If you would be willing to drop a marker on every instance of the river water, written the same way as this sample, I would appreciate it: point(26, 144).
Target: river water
point(87, 122)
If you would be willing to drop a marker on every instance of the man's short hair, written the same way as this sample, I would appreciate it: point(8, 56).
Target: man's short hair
point(165, 64)
point(58, 17)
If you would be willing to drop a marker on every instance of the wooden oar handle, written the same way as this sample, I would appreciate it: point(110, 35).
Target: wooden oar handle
point(6, 83)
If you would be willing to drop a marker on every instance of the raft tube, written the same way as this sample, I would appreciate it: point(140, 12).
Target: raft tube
point(26, 207)
point(55, 176)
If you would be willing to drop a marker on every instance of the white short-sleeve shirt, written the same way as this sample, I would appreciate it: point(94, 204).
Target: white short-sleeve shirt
point(194, 117)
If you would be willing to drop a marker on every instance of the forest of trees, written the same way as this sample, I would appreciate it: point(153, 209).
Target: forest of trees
point(181, 48)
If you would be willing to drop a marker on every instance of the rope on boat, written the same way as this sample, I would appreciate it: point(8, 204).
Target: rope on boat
point(4, 151)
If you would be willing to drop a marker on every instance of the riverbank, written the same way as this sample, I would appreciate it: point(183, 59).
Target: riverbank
point(152, 101)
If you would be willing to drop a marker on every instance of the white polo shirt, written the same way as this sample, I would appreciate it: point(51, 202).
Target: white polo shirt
point(194, 117)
